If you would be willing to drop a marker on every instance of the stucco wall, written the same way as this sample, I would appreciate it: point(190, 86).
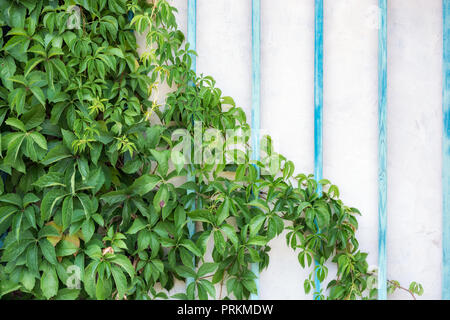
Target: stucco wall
point(350, 116)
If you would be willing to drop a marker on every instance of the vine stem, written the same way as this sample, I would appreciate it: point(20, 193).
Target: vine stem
point(397, 285)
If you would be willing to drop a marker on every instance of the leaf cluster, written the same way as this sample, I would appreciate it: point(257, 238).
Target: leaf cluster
point(90, 196)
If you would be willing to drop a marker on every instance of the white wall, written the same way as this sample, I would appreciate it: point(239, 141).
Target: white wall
point(350, 116)
point(414, 148)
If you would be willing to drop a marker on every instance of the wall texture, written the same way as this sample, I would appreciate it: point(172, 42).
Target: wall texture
point(350, 116)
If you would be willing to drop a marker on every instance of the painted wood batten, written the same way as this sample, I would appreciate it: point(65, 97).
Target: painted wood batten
point(446, 153)
point(318, 109)
point(192, 40)
point(256, 102)
point(382, 151)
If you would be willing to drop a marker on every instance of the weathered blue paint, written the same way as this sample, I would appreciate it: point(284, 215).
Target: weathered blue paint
point(130, 15)
point(192, 40)
point(446, 154)
point(192, 30)
point(256, 101)
point(2, 237)
point(318, 106)
point(382, 151)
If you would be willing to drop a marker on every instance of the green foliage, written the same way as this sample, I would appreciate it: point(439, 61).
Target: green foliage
point(91, 201)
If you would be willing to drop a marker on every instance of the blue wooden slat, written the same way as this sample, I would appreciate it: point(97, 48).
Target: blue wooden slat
point(256, 100)
point(130, 15)
point(446, 154)
point(318, 106)
point(192, 31)
point(382, 151)
point(192, 40)
point(2, 238)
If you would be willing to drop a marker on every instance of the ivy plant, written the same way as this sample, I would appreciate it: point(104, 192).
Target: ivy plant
point(95, 197)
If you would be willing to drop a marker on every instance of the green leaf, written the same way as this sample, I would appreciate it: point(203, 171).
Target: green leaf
point(208, 286)
point(132, 166)
point(14, 41)
point(39, 94)
point(11, 198)
point(256, 223)
point(188, 244)
point(223, 211)
point(288, 169)
point(254, 254)
point(48, 251)
point(16, 224)
point(124, 263)
point(16, 99)
point(206, 268)
point(322, 217)
point(178, 160)
point(50, 179)
point(257, 241)
point(28, 280)
point(34, 117)
point(29, 198)
point(59, 65)
point(66, 248)
point(201, 215)
point(103, 288)
point(16, 123)
point(231, 234)
point(180, 296)
point(161, 198)
point(83, 167)
point(57, 153)
point(30, 215)
point(337, 292)
point(39, 139)
point(7, 70)
point(185, 271)
point(250, 285)
point(138, 225)
point(115, 51)
point(31, 64)
point(68, 139)
point(49, 283)
point(6, 212)
point(67, 294)
point(307, 286)
point(303, 257)
point(162, 157)
point(302, 206)
point(86, 203)
point(144, 184)
point(49, 202)
point(67, 211)
point(219, 242)
point(179, 217)
point(114, 197)
point(8, 286)
point(310, 216)
point(88, 229)
point(120, 280)
point(48, 231)
point(259, 204)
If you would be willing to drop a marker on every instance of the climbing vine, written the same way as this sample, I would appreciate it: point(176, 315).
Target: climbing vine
point(94, 196)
